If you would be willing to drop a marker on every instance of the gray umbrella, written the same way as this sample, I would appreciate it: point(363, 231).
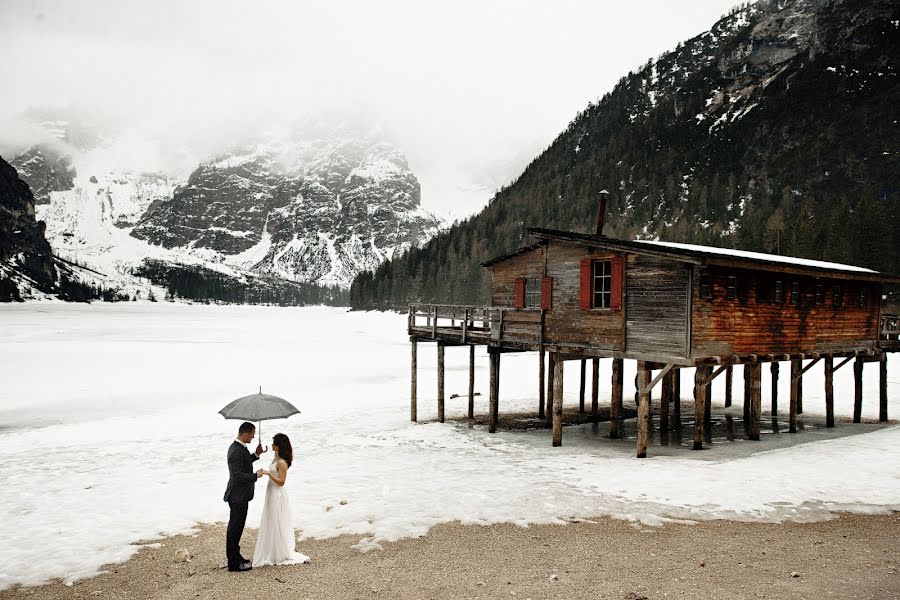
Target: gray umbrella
point(259, 407)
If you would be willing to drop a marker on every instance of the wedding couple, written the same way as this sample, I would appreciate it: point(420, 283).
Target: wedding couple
point(275, 543)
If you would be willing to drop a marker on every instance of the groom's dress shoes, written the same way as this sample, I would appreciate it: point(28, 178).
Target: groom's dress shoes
point(242, 567)
point(246, 563)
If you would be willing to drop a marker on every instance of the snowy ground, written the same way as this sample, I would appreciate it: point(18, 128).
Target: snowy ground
point(109, 436)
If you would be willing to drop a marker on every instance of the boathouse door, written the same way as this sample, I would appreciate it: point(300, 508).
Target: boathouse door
point(656, 304)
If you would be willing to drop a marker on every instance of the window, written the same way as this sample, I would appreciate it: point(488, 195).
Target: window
point(601, 271)
point(532, 292)
point(838, 300)
point(795, 292)
point(705, 287)
point(779, 292)
point(864, 297)
point(732, 287)
point(763, 290)
point(820, 295)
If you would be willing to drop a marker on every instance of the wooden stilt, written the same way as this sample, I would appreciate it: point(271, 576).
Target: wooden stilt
point(795, 395)
point(829, 391)
point(707, 400)
point(551, 373)
point(413, 382)
point(558, 365)
point(775, 369)
point(755, 388)
point(746, 405)
point(440, 381)
point(643, 416)
point(541, 390)
point(882, 388)
point(665, 400)
point(472, 381)
point(494, 390)
point(582, 388)
point(857, 389)
point(595, 389)
point(699, 409)
point(729, 377)
point(800, 390)
point(676, 395)
point(615, 400)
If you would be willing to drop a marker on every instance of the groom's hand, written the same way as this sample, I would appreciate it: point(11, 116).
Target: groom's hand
point(259, 473)
point(259, 449)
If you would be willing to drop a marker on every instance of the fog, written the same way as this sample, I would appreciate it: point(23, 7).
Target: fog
point(471, 91)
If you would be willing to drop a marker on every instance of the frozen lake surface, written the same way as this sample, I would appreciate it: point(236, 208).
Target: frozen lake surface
point(110, 435)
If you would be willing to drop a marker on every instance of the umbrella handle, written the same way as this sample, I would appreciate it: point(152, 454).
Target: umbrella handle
point(260, 437)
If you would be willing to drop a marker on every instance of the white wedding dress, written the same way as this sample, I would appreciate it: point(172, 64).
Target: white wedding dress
point(275, 543)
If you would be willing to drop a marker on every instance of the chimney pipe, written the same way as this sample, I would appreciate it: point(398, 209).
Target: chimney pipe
point(601, 213)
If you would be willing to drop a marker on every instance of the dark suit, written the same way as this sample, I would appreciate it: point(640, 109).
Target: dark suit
point(238, 494)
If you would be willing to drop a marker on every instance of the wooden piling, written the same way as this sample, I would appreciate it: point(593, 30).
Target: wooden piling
point(643, 412)
point(440, 381)
point(882, 388)
point(494, 390)
point(707, 400)
point(829, 390)
point(775, 370)
point(795, 395)
point(857, 389)
point(595, 389)
point(472, 381)
point(729, 378)
point(581, 389)
point(551, 373)
point(665, 401)
point(413, 382)
point(800, 390)
point(676, 395)
point(755, 388)
point(615, 400)
point(541, 390)
point(558, 365)
point(746, 406)
point(699, 409)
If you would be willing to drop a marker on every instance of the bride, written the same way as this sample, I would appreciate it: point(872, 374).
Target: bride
point(275, 543)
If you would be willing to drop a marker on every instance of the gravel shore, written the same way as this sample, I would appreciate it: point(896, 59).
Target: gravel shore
point(852, 556)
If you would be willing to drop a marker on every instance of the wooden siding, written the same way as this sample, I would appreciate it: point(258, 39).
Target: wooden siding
point(749, 324)
point(656, 300)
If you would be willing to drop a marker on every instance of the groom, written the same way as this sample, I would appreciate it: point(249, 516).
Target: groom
point(239, 493)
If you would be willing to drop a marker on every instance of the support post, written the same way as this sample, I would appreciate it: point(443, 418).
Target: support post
point(676, 394)
point(595, 389)
point(472, 381)
point(541, 389)
point(882, 388)
point(440, 381)
point(615, 400)
point(707, 400)
point(755, 387)
point(700, 375)
point(775, 370)
point(643, 416)
point(729, 378)
point(829, 391)
point(551, 373)
point(665, 400)
point(800, 389)
point(582, 388)
point(857, 389)
point(558, 365)
point(413, 382)
point(795, 395)
point(746, 406)
point(494, 391)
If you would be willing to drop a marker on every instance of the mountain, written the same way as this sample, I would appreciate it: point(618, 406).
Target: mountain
point(775, 131)
point(26, 261)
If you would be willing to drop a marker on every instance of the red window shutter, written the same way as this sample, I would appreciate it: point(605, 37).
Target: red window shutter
point(519, 300)
point(546, 292)
point(585, 283)
point(615, 297)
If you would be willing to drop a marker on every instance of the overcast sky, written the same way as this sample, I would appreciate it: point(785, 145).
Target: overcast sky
point(471, 91)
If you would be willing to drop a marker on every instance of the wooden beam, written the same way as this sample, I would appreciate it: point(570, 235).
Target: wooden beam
point(665, 401)
point(558, 367)
point(755, 399)
point(413, 382)
point(676, 395)
point(440, 381)
point(699, 408)
point(643, 416)
point(829, 391)
point(656, 379)
point(714, 374)
point(707, 400)
point(595, 389)
point(541, 389)
point(551, 374)
point(775, 369)
point(615, 400)
point(882, 388)
point(581, 389)
point(471, 380)
point(809, 366)
point(857, 388)
point(843, 362)
point(729, 378)
point(494, 390)
point(796, 382)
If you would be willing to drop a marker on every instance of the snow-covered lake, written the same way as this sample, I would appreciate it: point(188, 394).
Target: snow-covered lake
point(110, 435)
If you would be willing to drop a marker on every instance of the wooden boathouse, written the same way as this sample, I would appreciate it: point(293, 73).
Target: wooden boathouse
point(575, 296)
